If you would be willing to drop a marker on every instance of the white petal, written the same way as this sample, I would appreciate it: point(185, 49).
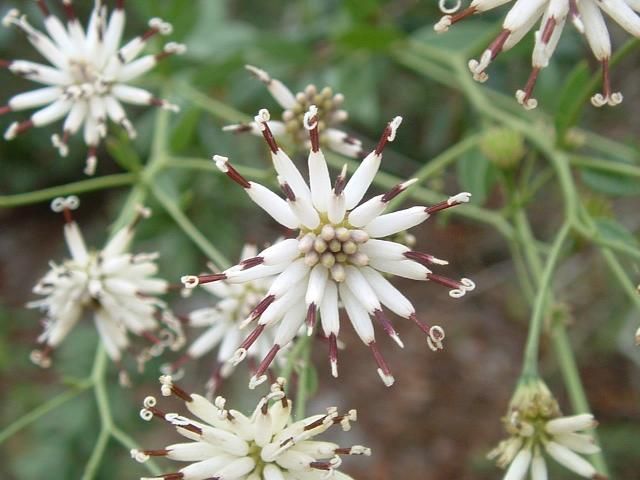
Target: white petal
point(51, 113)
point(284, 251)
point(206, 468)
point(522, 12)
point(389, 295)
point(395, 222)
point(192, 451)
point(622, 14)
point(235, 275)
point(228, 441)
point(275, 206)
point(539, 468)
point(289, 278)
point(336, 208)
point(578, 442)
point(290, 324)
point(272, 472)
point(290, 174)
point(402, 268)
point(583, 421)
point(236, 469)
point(229, 344)
point(207, 341)
point(519, 466)
point(357, 314)
point(570, 460)
point(40, 73)
point(319, 180)
point(112, 335)
point(133, 95)
point(317, 283)
point(361, 179)
point(366, 212)
point(329, 314)
point(113, 34)
point(75, 242)
point(384, 249)
point(34, 98)
point(136, 68)
point(595, 29)
point(365, 294)
point(278, 308)
point(305, 212)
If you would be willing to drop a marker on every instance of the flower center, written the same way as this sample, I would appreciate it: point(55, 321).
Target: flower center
point(88, 79)
point(333, 246)
point(328, 106)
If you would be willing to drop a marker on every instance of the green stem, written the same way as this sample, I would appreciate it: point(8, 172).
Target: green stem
point(303, 379)
point(89, 185)
point(213, 106)
point(571, 375)
point(603, 165)
point(96, 456)
point(43, 409)
point(530, 360)
point(189, 228)
point(127, 442)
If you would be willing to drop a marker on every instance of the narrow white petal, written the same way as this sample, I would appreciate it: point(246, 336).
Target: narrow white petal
point(583, 421)
point(361, 179)
point(290, 324)
point(389, 295)
point(578, 442)
point(623, 14)
point(275, 206)
point(207, 341)
point(336, 208)
point(227, 441)
point(272, 472)
point(539, 468)
point(289, 278)
point(206, 468)
point(136, 68)
point(595, 29)
point(51, 113)
point(75, 242)
point(278, 308)
point(522, 12)
point(366, 212)
point(402, 268)
point(305, 212)
point(384, 249)
point(519, 466)
point(133, 95)
point(284, 251)
point(319, 180)
point(112, 335)
point(317, 284)
point(395, 222)
point(357, 314)
point(290, 174)
point(34, 98)
point(365, 294)
point(192, 451)
point(570, 460)
point(329, 314)
point(235, 275)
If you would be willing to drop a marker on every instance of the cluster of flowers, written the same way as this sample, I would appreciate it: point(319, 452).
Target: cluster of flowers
point(338, 256)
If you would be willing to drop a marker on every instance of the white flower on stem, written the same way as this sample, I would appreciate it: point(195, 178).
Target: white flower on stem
point(586, 15)
point(330, 116)
point(224, 319)
point(536, 428)
point(118, 287)
point(87, 79)
point(268, 445)
point(338, 256)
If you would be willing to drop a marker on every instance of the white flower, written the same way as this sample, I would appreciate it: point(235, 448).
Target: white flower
point(87, 80)
point(587, 17)
point(235, 303)
point(330, 115)
point(227, 445)
point(116, 286)
point(338, 257)
point(535, 427)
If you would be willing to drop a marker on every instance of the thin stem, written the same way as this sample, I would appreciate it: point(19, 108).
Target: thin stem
point(189, 228)
point(96, 456)
point(303, 380)
point(127, 442)
point(530, 360)
point(89, 185)
point(571, 375)
point(603, 165)
point(40, 411)
point(215, 107)
point(437, 164)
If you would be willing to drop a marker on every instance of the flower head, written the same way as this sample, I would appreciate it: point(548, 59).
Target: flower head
point(118, 287)
point(235, 303)
point(338, 256)
point(329, 116)
point(87, 80)
point(586, 15)
point(536, 426)
point(226, 444)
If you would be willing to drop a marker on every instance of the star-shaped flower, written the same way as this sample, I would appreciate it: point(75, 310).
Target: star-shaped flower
point(87, 80)
point(268, 445)
point(330, 116)
point(338, 256)
point(116, 286)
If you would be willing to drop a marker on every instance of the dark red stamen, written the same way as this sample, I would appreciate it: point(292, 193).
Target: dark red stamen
point(252, 337)
point(4, 110)
point(262, 306)
point(422, 326)
point(268, 136)
point(314, 135)
point(156, 453)
point(548, 30)
point(24, 126)
point(341, 182)
point(531, 83)
point(251, 262)
point(463, 14)
point(441, 206)
point(43, 8)
point(447, 282)
point(379, 359)
point(321, 465)
point(175, 366)
point(420, 257)
point(210, 278)
point(497, 45)
point(394, 192)
point(69, 11)
point(312, 316)
point(385, 322)
point(267, 360)
point(288, 191)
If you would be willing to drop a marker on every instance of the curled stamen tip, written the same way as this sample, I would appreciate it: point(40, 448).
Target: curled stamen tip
point(221, 163)
point(238, 356)
point(172, 107)
point(442, 4)
point(468, 284)
point(600, 100)
point(255, 381)
point(149, 401)
point(360, 450)
point(387, 379)
point(527, 103)
point(263, 116)
point(443, 24)
point(436, 333)
point(11, 16)
point(60, 204)
point(175, 47)
point(60, 145)
point(40, 359)
point(393, 125)
point(462, 197)
point(164, 28)
point(258, 72)
point(167, 383)
point(138, 455)
point(308, 116)
point(190, 281)
point(396, 338)
point(144, 212)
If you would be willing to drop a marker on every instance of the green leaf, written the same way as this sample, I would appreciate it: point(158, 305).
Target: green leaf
point(611, 184)
point(476, 175)
point(610, 229)
point(369, 37)
point(573, 98)
point(123, 153)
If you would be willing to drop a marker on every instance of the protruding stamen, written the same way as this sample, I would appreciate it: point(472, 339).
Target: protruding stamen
point(168, 387)
point(383, 368)
point(424, 258)
point(459, 288)
point(65, 206)
point(192, 281)
point(310, 122)
point(251, 262)
point(288, 191)
point(225, 166)
point(388, 135)
point(333, 354)
point(524, 96)
point(312, 315)
point(450, 202)
point(397, 189)
point(607, 97)
point(387, 327)
point(261, 119)
point(266, 361)
point(341, 181)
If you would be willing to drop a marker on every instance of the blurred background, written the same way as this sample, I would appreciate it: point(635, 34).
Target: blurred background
point(443, 414)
